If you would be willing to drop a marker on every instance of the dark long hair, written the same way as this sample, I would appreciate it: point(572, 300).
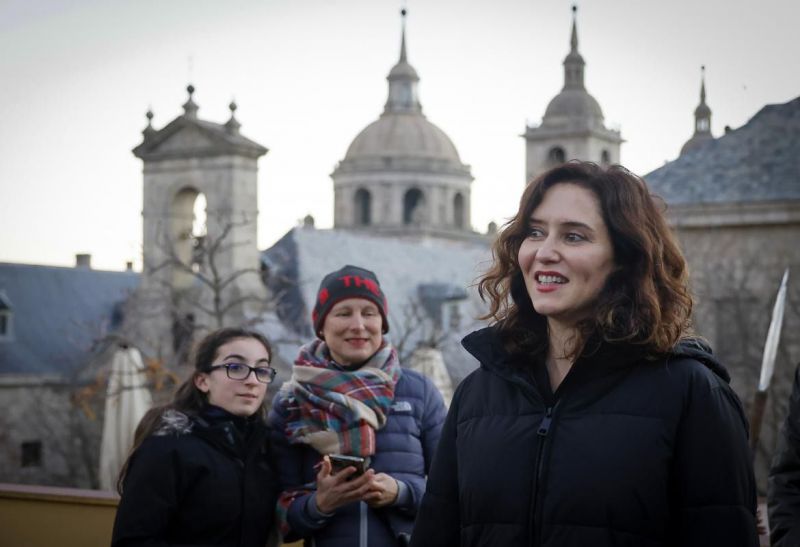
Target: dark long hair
point(645, 301)
point(188, 399)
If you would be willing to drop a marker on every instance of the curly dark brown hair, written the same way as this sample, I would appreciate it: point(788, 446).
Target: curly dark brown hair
point(645, 301)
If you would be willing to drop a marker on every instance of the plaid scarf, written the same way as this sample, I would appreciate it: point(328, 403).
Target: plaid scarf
point(334, 410)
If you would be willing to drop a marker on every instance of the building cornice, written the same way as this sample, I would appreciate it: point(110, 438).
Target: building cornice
point(713, 215)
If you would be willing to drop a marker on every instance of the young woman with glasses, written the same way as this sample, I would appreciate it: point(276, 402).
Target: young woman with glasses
point(199, 472)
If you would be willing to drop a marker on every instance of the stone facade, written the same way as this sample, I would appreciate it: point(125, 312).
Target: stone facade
point(735, 205)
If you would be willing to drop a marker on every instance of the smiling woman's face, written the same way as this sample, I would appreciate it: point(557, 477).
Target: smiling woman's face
point(352, 331)
point(239, 397)
point(568, 254)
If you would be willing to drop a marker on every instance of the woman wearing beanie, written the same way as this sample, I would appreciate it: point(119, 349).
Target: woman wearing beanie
point(348, 396)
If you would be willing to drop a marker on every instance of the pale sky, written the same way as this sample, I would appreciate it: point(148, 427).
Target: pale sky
point(309, 75)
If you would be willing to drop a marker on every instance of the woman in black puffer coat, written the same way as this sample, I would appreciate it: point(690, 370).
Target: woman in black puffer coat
point(594, 419)
point(200, 472)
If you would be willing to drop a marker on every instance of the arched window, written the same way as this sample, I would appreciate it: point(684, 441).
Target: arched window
point(186, 246)
point(605, 157)
point(363, 207)
point(556, 156)
point(413, 206)
point(199, 232)
point(458, 211)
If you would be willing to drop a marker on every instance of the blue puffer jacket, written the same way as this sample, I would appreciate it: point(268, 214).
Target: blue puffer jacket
point(404, 450)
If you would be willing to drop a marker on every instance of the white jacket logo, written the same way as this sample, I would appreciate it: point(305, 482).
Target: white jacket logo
point(401, 406)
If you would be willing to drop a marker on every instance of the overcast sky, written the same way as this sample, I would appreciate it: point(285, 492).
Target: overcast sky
point(308, 75)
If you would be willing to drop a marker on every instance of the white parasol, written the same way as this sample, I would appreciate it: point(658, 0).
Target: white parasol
point(127, 400)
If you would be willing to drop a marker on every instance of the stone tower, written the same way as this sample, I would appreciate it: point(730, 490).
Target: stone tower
point(572, 126)
point(198, 275)
point(702, 119)
point(402, 174)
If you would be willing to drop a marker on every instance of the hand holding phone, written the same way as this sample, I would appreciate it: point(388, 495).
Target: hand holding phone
point(334, 490)
point(341, 461)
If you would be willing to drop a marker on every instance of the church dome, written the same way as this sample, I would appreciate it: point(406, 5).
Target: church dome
point(402, 174)
point(702, 110)
point(402, 135)
point(403, 70)
point(573, 103)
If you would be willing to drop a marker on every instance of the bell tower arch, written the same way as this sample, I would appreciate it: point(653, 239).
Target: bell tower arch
point(194, 267)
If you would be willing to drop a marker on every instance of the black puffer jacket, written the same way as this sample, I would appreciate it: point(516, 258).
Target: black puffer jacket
point(199, 481)
point(633, 453)
point(784, 478)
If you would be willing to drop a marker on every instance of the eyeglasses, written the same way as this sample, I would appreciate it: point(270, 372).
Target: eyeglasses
point(240, 371)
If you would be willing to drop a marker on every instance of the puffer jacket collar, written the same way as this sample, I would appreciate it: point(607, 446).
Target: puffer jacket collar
point(487, 347)
point(228, 433)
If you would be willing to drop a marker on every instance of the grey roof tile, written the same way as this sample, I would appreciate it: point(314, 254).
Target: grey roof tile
point(759, 161)
point(58, 313)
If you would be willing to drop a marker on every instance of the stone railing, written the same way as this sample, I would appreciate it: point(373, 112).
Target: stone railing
point(37, 516)
point(32, 516)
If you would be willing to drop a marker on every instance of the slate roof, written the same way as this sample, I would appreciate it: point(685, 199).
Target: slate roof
point(408, 270)
point(759, 161)
point(57, 315)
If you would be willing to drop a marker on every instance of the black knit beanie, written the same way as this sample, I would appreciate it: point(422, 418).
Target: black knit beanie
point(349, 282)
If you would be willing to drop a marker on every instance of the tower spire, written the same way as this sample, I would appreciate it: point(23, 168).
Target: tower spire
point(574, 39)
point(574, 63)
point(702, 114)
point(403, 80)
point(703, 84)
point(702, 118)
point(403, 37)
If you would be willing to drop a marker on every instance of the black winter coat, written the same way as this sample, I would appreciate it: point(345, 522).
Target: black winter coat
point(633, 453)
point(784, 478)
point(404, 450)
point(198, 481)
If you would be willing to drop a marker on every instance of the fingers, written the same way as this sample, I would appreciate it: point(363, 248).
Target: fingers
point(334, 491)
point(324, 468)
point(384, 489)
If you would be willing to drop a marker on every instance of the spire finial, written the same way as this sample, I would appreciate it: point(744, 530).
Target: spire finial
point(703, 84)
point(403, 80)
point(233, 124)
point(403, 13)
point(149, 130)
point(574, 39)
point(190, 108)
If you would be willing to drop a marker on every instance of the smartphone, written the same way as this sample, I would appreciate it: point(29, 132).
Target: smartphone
point(340, 462)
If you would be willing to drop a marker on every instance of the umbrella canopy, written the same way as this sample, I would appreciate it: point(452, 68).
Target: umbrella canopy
point(127, 400)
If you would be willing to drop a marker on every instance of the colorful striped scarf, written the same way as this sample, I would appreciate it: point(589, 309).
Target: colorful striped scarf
point(334, 410)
